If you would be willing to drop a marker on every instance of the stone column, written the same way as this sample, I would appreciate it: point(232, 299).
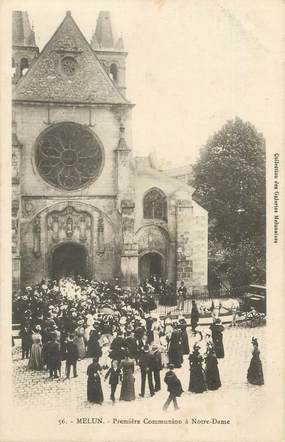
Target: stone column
point(126, 206)
point(123, 154)
point(171, 267)
point(129, 256)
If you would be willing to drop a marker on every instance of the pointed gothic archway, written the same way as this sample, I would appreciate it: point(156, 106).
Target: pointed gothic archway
point(69, 259)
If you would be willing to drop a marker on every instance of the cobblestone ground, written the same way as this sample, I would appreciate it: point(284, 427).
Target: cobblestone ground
point(34, 389)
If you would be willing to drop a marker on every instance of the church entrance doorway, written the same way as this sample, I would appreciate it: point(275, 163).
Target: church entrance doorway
point(151, 264)
point(69, 259)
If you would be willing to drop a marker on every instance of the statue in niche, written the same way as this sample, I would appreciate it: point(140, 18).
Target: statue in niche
point(37, 237)
point(100, 235)
point(69, 210)
point(14, 235)
point(69, 227)
point(15, 168)
point(15, 207)
point(82, 228)
point(28, 208)
point(55, 228)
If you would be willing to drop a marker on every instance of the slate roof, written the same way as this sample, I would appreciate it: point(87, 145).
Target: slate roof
point(46, 80)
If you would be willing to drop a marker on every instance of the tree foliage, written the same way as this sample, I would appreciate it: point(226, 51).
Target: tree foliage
point(229, 181)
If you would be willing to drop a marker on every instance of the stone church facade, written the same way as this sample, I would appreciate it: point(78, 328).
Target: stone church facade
point(81, 202)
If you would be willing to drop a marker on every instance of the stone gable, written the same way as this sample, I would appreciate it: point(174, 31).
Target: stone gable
point(68, 71)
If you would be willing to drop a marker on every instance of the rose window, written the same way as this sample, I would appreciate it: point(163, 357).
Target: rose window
point(68, 156)
point(69, 65)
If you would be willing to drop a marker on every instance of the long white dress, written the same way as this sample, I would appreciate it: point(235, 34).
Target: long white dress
point(163, 348)
point(156, 330)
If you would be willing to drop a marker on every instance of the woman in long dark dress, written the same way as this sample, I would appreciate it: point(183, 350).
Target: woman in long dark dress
point(194, 316)
point(217, 338)
point(255, 371)
point(212, 374)
point(127, 366)
point(94, 349)
point(94, 388)
point(174, 349)
point(197, 381)
point(184, 337)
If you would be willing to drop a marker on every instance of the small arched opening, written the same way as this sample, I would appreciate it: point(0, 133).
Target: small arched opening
point(114, 72)
point(13, 67)
point(24, 66)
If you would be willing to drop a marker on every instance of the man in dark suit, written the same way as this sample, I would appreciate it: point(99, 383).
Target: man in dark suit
point(71, 356)
point(144, 363)
point(53, 356)
point(173, 387)
point(26, 335)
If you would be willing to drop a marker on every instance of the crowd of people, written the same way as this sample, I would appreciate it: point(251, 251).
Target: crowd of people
point(69, 320)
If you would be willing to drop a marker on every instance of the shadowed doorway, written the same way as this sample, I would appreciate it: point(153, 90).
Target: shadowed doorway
point(150, 264)
point(69, 259)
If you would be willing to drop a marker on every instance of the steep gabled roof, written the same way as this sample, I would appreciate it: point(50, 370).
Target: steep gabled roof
point(48, 81)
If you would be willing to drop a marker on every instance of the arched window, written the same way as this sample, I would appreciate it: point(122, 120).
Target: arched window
point(114, 72)
point(24, 66)
point(155, 205)
point(13, 67)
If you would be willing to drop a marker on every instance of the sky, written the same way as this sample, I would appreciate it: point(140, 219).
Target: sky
point(192, 65)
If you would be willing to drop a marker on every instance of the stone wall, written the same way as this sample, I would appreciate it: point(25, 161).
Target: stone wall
point(192, 246)
point(184, 252)
point(47, 229)
point(32, 120)
point(200, 247)
point(37, 196)
point(117, 193)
